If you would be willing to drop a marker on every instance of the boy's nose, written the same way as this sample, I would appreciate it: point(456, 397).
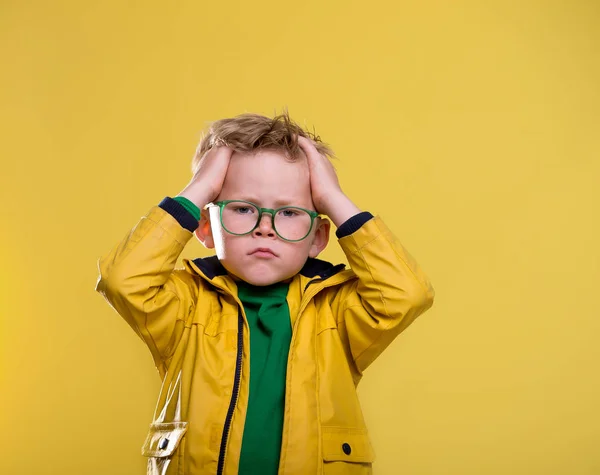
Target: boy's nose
point(264, 226)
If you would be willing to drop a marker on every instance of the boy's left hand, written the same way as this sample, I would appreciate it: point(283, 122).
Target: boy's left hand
point(327, 195)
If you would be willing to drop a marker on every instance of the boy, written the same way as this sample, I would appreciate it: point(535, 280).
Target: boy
point(261, 347)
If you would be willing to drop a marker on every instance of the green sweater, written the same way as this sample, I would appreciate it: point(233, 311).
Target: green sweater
point(270, 335)
point(268, 318)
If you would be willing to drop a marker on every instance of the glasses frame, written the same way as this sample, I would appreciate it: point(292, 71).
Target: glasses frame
point(261, 211)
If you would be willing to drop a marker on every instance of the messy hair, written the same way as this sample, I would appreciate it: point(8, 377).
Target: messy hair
point(254, 132)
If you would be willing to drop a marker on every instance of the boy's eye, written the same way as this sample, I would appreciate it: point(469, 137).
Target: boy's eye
point(244, 209)
point(288, 213)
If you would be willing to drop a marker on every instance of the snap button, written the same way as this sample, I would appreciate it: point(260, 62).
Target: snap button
point(346, 448)
point(163, 444)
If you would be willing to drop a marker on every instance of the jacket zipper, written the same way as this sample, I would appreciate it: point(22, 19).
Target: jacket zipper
point(234, 393)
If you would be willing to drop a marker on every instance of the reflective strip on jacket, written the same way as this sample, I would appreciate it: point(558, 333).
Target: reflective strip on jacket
point(195, 327)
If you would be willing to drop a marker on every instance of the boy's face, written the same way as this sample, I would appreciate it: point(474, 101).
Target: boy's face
point(268, 180)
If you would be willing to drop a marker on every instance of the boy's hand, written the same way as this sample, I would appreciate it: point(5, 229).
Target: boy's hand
point(207, 182)
point(327, 195)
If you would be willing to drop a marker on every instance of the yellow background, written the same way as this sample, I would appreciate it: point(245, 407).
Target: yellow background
point(472, 128)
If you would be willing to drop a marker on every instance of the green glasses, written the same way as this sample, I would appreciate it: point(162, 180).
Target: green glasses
point(290, 223)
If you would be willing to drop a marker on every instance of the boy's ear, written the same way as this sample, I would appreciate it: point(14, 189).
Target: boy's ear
point(204, 231)
point(321, 237)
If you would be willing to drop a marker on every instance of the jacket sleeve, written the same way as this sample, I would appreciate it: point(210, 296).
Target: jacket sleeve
point(138, 279)
point(390, 292)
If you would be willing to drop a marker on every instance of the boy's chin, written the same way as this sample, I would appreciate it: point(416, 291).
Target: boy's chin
point(259, 276)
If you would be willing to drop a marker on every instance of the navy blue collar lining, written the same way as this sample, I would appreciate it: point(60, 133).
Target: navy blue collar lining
point(212, 267)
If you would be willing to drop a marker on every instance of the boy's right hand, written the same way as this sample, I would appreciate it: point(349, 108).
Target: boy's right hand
point(207, 182)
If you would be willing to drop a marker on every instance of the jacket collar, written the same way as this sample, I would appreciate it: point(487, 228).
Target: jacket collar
point(211, 267)
point(314, 271)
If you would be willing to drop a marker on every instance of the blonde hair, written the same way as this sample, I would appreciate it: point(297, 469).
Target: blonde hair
point(254, 132)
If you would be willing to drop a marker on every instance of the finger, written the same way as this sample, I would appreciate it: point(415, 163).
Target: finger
point(218, 149)
point(221, 151)
point(307, 146)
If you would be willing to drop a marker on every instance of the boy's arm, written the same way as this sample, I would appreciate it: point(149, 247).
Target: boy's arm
point(390, 292)
point(391, 289)
point(138, 279)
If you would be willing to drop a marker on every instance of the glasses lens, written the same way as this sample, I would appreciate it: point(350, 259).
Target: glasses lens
point(239, 217)
point(292, 223)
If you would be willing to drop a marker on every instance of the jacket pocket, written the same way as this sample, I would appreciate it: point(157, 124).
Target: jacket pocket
point(346, 451)
point(161, 444)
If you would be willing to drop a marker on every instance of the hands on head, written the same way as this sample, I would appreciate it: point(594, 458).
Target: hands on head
point(207, 182)
point(324, 183)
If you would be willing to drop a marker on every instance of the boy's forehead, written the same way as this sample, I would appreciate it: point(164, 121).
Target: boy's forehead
point(267, 155)
point(267, 162)
point(267, 176)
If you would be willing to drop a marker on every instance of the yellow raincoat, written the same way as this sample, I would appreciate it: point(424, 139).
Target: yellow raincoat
point(196, 329)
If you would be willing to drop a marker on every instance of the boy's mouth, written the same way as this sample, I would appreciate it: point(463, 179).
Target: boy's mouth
point(263, 252)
